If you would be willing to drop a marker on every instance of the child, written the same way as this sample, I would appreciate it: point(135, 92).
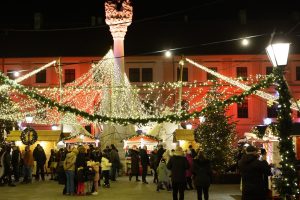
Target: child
point(90, 175)
point(163, 175)
point(96, 168)
point(80, 180)
point(105, 167)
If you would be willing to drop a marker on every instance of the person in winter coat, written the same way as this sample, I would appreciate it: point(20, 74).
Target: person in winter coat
point(69, 167)
point(40, 158)
point(188, 174)
point(96, 168)
point(115, 161)
point(16, 162)
point(80, 167)
point(154, 164)
point(135, 163)
point(28, 162)
point(7, 166)
point(145, 162)
point(253, 172)
point(52, 164)
point(202, 173)
point(163, 175)
point(178, 165)
point(105, 168)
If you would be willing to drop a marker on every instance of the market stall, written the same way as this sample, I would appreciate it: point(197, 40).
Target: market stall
point(140, 141)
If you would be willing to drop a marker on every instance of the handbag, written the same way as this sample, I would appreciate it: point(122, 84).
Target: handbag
point(53, 165)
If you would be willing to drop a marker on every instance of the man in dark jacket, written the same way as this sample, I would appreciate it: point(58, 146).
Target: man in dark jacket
point(178, 165)
point(145, 162)
point(15, 161)
point(115, 161)
point(40, 158)
point(7, 166)
point(135, 163)
point(202, 175)
point(253, 172)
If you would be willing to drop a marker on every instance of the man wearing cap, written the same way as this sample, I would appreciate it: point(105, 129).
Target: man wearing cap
point(253, 172)
point(178, 165)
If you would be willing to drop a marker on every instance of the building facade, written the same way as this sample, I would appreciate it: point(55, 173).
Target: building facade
point(145, 69)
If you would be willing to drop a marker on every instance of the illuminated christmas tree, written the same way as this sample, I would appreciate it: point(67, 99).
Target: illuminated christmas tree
point(216, 134)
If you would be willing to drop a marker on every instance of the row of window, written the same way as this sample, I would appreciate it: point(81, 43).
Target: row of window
point(146, 74)
point(41, 77)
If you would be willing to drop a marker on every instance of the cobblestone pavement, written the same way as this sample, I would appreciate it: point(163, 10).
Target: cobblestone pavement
point(122, 189)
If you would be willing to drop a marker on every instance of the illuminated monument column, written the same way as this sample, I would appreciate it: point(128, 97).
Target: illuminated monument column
point(118, 17)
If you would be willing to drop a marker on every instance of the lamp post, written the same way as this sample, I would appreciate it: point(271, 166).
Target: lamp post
point(287, 184)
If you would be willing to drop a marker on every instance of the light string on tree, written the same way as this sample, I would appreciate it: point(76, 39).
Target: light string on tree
point(287, 183)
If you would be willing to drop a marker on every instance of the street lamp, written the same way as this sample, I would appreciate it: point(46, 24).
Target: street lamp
point(287, 184)
point(278, 53)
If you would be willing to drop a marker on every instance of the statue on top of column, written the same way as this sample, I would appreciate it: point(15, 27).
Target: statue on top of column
point(118, 16)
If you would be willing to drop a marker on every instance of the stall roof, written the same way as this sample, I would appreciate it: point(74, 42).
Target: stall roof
point(80, 139)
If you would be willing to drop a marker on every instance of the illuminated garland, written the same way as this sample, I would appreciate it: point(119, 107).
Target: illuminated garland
point(84, 134)
point(29, 136)
point(130, 120)
point(287, 183)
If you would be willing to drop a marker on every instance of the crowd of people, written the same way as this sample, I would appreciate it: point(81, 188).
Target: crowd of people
point(80, 169)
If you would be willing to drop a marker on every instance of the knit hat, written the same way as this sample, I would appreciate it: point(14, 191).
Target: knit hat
point(251, 150)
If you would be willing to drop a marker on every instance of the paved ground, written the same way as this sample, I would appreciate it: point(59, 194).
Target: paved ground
point(120, 190)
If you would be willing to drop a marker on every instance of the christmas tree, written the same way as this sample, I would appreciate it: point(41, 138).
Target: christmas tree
point(217, 133)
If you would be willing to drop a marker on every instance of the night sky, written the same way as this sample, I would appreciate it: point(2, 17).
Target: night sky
point(158, 24)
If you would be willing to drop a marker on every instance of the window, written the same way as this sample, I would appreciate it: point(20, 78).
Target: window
point(41, 77)
point(210, 76)
point(242, 109)
point(134, 74)
point(10, 74)
point(272, 111)
point(147, 75)
point(241, 72)
point(69, 75)
point(298, 73)
point(269, 70)
point(185, 74)
point(140, 74)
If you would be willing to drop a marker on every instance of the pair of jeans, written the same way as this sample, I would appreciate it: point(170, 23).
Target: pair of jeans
point(27, 173)
point(105, 174)
point(178, 187)
point(203, 189)
point(70, 182)
point(40, 170)
point(144, 172)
